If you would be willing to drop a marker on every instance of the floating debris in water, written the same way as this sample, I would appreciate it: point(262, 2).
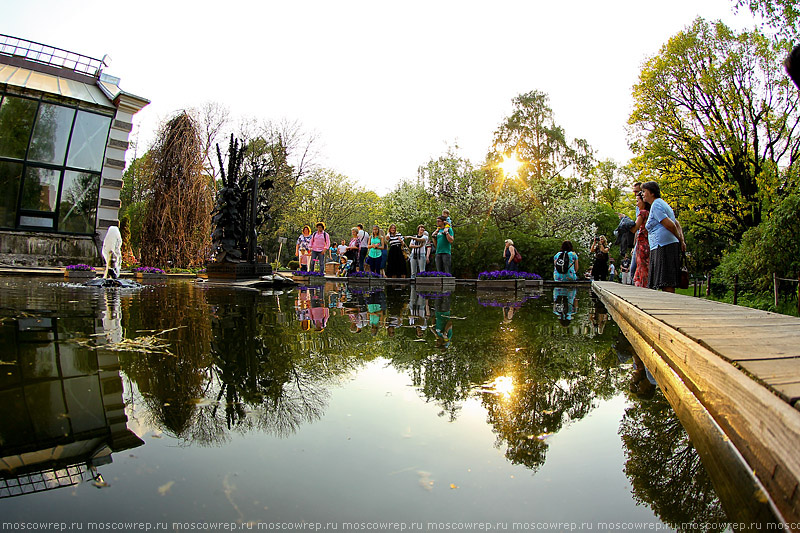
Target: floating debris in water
point(164, 489)
point(453, 486)
point(100, 483)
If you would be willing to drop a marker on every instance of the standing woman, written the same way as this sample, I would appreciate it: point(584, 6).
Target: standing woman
point(375, 253)
point(396, 262)
point(419, 251)
point(352, 247)
point(600, 265)
point(508, 255)
point(303, 248)
point(642, 244)
point(666, 241)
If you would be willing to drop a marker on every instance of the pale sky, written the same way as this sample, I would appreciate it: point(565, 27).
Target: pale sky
point(385, 85)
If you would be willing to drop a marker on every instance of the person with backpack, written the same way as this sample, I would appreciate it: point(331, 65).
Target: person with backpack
point(511, 256)
point(566, 263)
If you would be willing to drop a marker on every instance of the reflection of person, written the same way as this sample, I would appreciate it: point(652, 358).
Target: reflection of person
point(666, 240)
point(572, 257)
point(443, 329)
point(600, 265)
point(598, 315)
point(565, 304)
point(303, 248)
point(376, 308)
point(418, 312)
point(508, 314)
point(509, 252)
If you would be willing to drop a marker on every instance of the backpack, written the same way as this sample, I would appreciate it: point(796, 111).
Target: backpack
point(517, 256)
point(563, 263)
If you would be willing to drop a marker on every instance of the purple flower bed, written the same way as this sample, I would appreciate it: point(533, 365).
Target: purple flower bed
point(149, 270)
point(507, 274)
point(308, 273)
point(80, 268)
point(433, 274)
point(363, 274)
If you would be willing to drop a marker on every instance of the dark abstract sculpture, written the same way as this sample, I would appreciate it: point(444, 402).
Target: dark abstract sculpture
point(242, 205)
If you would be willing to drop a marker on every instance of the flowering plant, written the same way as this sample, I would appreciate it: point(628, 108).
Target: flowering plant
point(507, 274)
point(433, 274)
point(363, 274)
point(80, 267)
point(149, 270)
point(308, 273)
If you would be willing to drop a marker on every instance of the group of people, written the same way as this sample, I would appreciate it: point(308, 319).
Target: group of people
point(385, 253)
point(658, 247)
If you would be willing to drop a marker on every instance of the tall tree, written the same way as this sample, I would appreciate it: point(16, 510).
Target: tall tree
point(176, 227)
point(716, 118)
point(542, 145)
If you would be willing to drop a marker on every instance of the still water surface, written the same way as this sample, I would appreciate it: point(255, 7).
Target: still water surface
point(183, 402)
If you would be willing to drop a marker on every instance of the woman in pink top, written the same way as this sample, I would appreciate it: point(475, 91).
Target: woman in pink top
point(320, 242)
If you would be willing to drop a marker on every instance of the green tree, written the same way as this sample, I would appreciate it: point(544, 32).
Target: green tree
point(782, 15)
point(541, 144)
point(334, 199)
point(716, 118)
point(134, 197)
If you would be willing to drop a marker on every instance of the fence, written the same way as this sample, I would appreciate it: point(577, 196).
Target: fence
point(777, 291)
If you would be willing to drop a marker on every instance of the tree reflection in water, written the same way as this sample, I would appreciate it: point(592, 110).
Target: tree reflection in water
point(665, 469)
point(236, 368)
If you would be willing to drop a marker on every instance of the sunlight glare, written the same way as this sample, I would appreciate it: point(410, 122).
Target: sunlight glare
point(503, 385)
point(510, 165)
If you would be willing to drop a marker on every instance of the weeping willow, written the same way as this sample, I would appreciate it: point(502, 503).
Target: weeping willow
point(176, 228)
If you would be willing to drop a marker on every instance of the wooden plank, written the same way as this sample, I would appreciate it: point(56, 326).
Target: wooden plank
point(742, 495)
point(743, 351)
point(763, 427)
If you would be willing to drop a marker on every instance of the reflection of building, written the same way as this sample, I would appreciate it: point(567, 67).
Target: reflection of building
point(63, 411)
point(64, 129)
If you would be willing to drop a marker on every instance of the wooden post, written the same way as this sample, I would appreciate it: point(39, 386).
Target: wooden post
point(695, 287)
point(735, 289)
point(775, 287)
point(708, 284)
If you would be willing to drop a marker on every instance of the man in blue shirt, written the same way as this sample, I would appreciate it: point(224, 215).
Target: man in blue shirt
point(443, 239)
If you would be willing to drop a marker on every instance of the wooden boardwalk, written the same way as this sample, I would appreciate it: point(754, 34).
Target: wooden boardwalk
point(732, 374)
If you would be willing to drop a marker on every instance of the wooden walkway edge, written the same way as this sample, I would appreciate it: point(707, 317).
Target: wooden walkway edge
point(732, 375)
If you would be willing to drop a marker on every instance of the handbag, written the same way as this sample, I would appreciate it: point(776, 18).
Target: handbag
point(684, 281)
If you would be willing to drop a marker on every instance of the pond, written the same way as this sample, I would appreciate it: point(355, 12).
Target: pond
point(189, 406)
